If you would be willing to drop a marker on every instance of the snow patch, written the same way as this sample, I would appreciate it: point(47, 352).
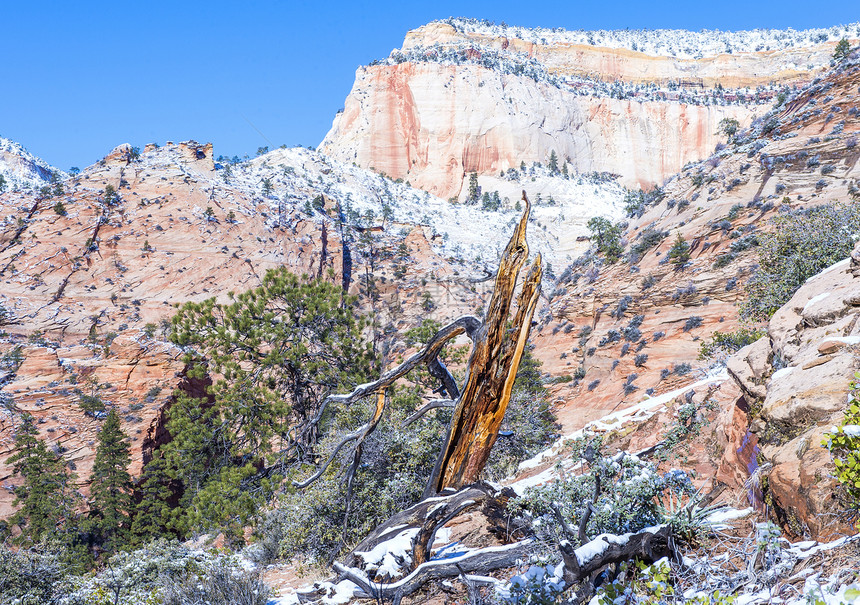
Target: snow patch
point(814, 300)
point(388, 557)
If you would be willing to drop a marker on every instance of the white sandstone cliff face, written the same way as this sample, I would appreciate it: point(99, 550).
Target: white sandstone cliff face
point(432, 124)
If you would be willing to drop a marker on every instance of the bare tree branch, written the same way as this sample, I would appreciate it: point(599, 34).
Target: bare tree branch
point(433, 404)
point(467, 324)
point(360, 435)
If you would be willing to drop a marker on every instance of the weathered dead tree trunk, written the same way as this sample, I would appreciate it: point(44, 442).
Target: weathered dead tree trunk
point(479, 407)
point(496, 353)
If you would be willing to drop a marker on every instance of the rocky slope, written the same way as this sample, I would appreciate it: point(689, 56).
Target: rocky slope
point(462, 97)
point(22, 170)
point(637, 326)
point(88, 284)
point(89, 279)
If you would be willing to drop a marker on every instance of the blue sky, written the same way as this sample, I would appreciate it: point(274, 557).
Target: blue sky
point(79, 78)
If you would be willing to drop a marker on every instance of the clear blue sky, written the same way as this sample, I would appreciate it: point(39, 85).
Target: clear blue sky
point(79, 78)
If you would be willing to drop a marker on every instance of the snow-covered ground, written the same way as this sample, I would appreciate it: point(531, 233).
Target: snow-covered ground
point(295, 176)
point(22, 170)
point(679, 43)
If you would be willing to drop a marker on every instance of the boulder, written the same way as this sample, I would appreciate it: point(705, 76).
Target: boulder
point(749, 367)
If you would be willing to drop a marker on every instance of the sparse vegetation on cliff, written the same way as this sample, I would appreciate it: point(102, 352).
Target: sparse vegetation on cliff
point(801, 244)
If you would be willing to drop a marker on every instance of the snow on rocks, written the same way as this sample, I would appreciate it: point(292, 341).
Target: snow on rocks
point(677, 43)
point(639, 412)
point(719, 519)
point(22, 170)
point(389, 557)
point(295, 177)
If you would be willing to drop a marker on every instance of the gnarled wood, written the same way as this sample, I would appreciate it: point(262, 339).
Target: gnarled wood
point(427, 355)
point(492, 369)
point(646, 546)
point(480, 561)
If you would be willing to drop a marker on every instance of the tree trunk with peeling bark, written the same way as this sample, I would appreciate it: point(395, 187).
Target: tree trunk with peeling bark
point(493, 364)
point(480, 406)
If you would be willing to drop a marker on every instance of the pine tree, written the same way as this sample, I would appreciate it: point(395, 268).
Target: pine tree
point(152, 515)
point(111, 484)
point(274, 354)
point(679, 253)
point(843, 48)
point(553, 162)
point(607, 237)
point(474, 189)
point(44, 495)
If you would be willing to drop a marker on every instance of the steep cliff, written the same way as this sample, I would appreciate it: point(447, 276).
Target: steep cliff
point(462, 97)
point(433, 124)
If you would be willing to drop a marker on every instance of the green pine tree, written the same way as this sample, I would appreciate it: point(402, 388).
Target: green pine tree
point(843, 48)
point(152, 515)
point(273, 355)
point(553, 162)
point(474, 189)
point(607, 237)
point(44, 496)
point(679, 253)
point(111, 484)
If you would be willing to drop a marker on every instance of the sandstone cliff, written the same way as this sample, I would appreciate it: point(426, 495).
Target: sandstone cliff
point(433, 124)
point(461, 96)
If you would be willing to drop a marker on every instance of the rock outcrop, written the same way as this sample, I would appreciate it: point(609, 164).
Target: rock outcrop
point(799, 376)
point(433, 124)
point(21, 169)
point(461, 97)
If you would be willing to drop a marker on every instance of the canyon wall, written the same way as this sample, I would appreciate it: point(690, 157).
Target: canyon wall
point(431, 124)
point(729, 69)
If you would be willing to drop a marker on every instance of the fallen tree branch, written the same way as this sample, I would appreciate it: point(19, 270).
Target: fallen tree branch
point(481, 561)
point(417, 516)
point(582, 563)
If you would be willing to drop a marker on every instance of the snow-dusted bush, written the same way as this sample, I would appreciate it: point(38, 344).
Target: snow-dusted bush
point(801, 244)
point(536, 586)
point(629, 497)
point(155, 573)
